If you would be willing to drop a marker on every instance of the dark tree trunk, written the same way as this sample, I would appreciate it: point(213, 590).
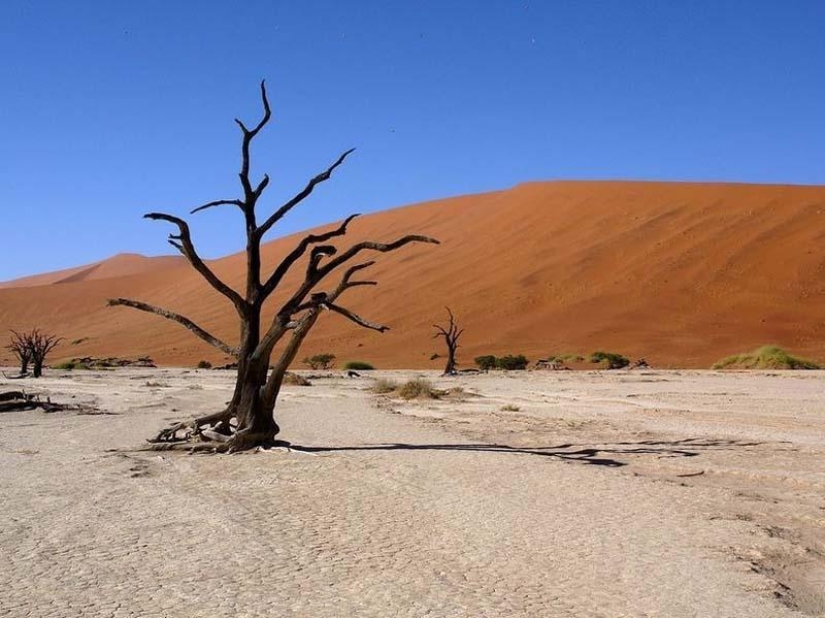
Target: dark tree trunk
point(449, 369)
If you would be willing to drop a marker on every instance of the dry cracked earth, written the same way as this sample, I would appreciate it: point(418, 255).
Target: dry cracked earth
point(603, 494)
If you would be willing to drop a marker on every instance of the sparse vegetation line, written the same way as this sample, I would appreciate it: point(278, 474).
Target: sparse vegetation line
point(765, 357)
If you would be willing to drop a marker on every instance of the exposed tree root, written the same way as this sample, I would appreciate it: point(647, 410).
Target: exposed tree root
point(210, 446)
point(220, 422)
point(216, 433)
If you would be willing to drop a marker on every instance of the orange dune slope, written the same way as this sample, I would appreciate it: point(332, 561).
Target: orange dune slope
point(121, 265)
point(678, 273)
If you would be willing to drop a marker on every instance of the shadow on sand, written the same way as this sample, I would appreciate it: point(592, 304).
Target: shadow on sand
point(596, 456)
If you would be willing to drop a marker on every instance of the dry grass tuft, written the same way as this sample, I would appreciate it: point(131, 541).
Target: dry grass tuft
point(293, 379)
point(418, 388)
point(384, 386)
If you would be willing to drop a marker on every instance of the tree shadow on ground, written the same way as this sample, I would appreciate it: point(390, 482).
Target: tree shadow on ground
point(602, 455)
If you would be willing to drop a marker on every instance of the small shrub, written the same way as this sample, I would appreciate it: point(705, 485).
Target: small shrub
point(566, 358)
point(358, 366)
point(510, 362)
point(766, 357)
point(319, 361)
point(611, 359)
point(418, 389)
point(73, 364)
point(510, 408)
point(293, 379)
point(486, 362)
point(204, 364)
point(457, 393)
point(384, 386)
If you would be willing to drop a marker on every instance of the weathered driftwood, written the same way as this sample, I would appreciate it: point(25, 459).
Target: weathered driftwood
point(248, 420)
point(20, 401)
point(17, 377)
point(12, 395)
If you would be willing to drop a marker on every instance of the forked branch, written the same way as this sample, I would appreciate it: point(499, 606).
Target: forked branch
point(248, 136)
point(296, 254)
point(176, 317)
point(300, 197)
point(373, 246)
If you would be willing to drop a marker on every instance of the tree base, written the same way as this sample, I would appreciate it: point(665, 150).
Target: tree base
point(215, 433)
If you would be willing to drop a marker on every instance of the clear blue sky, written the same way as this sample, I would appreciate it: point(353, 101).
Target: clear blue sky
point(112, 108)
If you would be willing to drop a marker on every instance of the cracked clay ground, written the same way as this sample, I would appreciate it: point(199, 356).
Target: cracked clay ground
point(610, 495)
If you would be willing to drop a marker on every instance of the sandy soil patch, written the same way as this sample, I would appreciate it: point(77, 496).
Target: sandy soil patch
point(645, 493)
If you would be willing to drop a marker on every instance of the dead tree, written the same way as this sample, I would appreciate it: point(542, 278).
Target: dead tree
point(21, 350)
point(249, 420)
point(33, 347)
point(451, 334)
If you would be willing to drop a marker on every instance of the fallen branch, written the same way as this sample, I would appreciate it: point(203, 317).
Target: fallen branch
point(18, 401)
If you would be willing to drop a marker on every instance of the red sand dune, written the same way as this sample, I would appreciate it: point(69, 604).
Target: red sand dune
point(678, 273)
point(121, 265)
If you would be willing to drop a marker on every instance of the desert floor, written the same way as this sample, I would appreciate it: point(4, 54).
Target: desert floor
point(645, 493)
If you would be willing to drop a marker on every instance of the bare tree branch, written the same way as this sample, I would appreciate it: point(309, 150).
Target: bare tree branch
point(298, 252)
point(300, 197)
point(186, 247)
point(237, 203)
point(355, 317)
point(373, 246)
point(175, 317)
point(277, 328)
point(261, 186)
point(248, 136)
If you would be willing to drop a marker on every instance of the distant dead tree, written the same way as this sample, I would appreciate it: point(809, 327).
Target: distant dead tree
point(32, 347)
point(248, 420)
point(21, 350)
point(451, 333)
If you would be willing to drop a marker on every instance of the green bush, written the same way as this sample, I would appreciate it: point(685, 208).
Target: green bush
point(611, 359)
point(204, 364)
point(358, 366)
point(485, 363)
point(511, 362)
point(319, 361)
point(766, 357)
